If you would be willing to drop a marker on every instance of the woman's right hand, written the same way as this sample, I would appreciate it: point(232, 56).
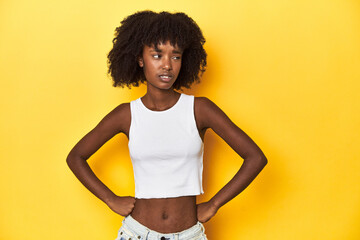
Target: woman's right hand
point(122, 205)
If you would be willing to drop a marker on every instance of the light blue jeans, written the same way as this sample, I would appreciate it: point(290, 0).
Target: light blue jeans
point(133, 230)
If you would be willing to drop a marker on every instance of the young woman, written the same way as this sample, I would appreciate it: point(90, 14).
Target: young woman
point(165, 129)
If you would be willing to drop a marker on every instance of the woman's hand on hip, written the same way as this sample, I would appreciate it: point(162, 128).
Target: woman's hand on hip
point(122, 205)
point(205, 211)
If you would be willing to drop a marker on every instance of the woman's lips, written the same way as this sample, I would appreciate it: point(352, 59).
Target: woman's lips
point(166, 78)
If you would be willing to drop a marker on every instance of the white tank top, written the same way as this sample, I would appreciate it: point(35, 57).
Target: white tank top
point(166, 150)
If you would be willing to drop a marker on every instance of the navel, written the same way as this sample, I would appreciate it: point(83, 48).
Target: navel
point(164, 216)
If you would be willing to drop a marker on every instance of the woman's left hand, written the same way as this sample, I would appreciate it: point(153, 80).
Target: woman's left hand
point(205, 211)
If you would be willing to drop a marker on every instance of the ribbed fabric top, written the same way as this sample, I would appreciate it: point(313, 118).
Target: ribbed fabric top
point(166, 150)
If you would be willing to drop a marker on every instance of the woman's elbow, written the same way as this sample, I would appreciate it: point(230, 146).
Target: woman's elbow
point(72, 159)
point(260, 161)
point(264, 159)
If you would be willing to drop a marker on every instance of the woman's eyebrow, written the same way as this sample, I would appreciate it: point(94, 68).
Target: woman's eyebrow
point(155, 49)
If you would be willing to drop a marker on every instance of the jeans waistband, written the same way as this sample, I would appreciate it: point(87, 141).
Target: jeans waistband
point(137, 228)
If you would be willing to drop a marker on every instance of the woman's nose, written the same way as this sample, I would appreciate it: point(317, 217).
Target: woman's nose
point(167, 64)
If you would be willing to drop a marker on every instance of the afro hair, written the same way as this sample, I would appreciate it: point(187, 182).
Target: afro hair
point(150, 28)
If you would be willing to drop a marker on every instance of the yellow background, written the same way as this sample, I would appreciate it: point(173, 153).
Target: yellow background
point(286, 72)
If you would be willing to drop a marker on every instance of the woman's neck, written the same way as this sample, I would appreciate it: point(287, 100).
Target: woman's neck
point(159, 99)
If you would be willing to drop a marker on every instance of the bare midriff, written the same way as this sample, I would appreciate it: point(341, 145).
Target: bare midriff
point(166, 215)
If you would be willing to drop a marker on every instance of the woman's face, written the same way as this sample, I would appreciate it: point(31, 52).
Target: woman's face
point(161, 64)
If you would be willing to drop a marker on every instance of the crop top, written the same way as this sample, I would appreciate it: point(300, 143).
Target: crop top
point(166, 150)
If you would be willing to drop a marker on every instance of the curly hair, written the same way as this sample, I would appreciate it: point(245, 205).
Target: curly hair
point(150, 28)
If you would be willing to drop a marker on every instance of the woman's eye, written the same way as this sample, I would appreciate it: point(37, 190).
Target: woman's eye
point(177, 57)
point(156, 56)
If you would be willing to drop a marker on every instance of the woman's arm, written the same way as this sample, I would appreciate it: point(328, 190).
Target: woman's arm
point(211, 116)
point(115, 122)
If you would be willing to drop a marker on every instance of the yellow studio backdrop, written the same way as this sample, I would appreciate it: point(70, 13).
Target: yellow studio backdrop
point(286, 72)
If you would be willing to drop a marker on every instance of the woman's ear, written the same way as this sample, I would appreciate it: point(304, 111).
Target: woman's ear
point(141, 62)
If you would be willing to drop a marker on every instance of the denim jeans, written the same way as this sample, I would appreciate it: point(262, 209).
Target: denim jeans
point(133, 230)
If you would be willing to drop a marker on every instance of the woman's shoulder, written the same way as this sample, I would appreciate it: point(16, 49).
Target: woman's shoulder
point(119, 117)
point(203, 110)
point(203, 103)
point(121, 110)
point(207, 112)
